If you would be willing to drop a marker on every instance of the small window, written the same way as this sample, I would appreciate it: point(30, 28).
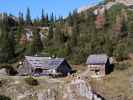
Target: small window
point(38, 70)
point(97, 72)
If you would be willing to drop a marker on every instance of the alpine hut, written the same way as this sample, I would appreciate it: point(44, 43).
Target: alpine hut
point(40, 66)
point(98, 65)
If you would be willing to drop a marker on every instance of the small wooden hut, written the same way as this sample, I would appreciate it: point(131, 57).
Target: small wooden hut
point(98, 65)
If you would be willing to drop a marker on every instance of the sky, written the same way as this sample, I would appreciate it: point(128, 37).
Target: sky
point(58, 7)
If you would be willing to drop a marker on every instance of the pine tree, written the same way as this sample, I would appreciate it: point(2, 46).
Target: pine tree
point(28, 17)
point(75, 32)
point(43, 16)
point(36, 45)
point(43, 21)
point(21, 18)
point(59, 36)
point(61, 20)
point(52, 18)
point(70, 19)
point(36, 22)
point(75, 16)
point(47, 20)
point(7, 52)
point(51, 32)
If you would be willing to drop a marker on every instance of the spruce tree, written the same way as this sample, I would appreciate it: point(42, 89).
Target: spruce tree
point(52, 18)
point(59, 36)
point(7, 51)
point(51, 32)
point(43, 18)
point(21, 18)
point(47, 20)
point(28, 17)
point(36, 45)
point(70, 19)
point(75, 32)
point(36, 22)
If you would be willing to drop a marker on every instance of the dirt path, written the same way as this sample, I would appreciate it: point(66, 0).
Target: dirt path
point(85, 73)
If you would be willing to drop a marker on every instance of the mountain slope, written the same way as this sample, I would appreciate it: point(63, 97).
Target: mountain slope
point(96, 30)
point(104, 28)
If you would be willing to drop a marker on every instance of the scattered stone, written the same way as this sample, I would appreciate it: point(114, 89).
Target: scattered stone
point(79, 89)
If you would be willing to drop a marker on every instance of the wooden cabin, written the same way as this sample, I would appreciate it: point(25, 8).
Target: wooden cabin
point(98, 65)
point(43, 66)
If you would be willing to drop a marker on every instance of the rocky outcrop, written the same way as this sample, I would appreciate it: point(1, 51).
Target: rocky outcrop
point(108, 5)
point(53, 89)
point(125, 2)
point(80, 90)
point(90, 5)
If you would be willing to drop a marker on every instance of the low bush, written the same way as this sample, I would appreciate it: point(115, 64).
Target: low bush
point(9, 69)
point(2, 97)
point(31, 81)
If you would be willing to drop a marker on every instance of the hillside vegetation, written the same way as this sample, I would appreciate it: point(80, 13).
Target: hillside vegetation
point(74, 37)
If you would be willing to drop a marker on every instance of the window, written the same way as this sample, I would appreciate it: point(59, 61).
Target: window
point(97, 72)
point(38, 70)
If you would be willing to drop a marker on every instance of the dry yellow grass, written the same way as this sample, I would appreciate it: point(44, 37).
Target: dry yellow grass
point(116, 85)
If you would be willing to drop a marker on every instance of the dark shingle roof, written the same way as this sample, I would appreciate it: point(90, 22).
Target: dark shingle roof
point(44, 62)
point(97, 59)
